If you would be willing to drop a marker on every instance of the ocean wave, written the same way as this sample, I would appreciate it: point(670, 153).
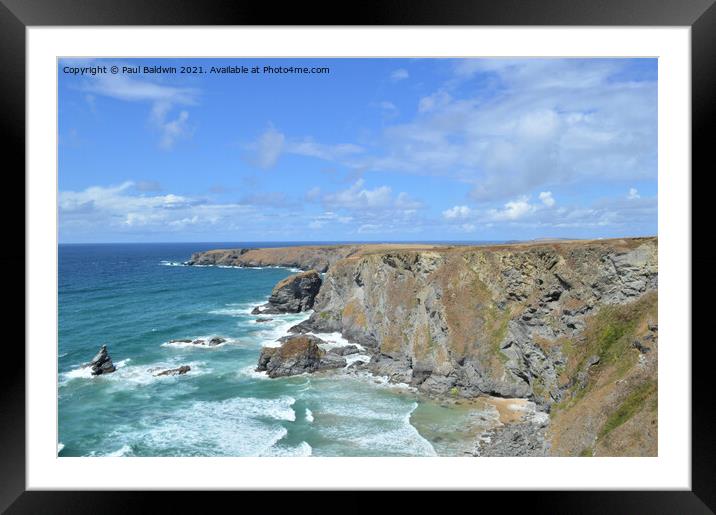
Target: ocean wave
point(241, 426)
point(268, 336)
point(236, 310)
point(60, 446)
point(352, 358)
point(309, 415)
point(136, 375)
point(250, 371)
point(172, 263)
point(388, 433)
point(190, 345)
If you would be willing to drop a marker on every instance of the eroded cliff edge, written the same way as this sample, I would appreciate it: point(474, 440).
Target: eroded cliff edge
point(571, 325)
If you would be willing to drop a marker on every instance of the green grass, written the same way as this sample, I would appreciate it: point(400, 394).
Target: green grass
point(627, 409)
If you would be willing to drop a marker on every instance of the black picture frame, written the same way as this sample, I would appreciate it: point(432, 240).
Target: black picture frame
point(17, 15)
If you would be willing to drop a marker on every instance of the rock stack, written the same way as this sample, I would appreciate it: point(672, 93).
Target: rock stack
point(102, 363)
point(297, 355)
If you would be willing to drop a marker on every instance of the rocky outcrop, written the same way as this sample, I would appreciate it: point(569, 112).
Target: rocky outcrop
point(101, 363)
point(293, 294)
point(523, 439)
point(297, 355)
point(173, 371)
point(504, 320)
point(212, 342)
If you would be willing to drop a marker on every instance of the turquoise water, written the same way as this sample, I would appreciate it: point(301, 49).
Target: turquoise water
point(135, 298)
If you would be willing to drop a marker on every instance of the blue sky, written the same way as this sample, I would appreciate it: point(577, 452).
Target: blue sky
point(375, 150)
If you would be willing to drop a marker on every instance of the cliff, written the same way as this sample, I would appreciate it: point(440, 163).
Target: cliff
point(570, 325)
point(310, 257)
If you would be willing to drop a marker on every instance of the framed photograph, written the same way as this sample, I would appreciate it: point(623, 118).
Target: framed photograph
point(420, 249)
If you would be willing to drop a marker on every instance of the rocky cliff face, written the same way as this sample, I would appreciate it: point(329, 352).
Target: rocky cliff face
point(510, 321)
point(293, 294)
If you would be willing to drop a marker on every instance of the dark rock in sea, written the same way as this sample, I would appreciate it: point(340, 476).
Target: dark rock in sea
point(174, 371)
point(213, 342)
point(102, 363)
point(297, 355)
point(293, 294)
point(262, 320)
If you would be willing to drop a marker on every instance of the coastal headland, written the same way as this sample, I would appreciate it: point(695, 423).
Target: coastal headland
point(570, 326)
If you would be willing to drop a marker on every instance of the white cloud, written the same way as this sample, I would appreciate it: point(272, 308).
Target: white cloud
point(162, 97)
point(117, 209)
point(633, 194)
point(547, 198)
point(267, 149)
point(173, 130)
point(123, 87)
point(308, 147)
point(457, 212)
point(358, 197)
point(512, 210)
point(388, 106)
point(399, 74)
point(434, 101)
point(545, 121)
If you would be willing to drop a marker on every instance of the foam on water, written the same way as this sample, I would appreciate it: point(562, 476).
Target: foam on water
point(60, 446)
point(250, 371)
point(378, 432)
point(352, 358)
point(279, 327)
point(333, 340)
point(172, 263)
point(302, 450)
point(85, 372)
point(190, 345)
point(122, 451)
point(137, 375)
point(309, 415)
point(241, 426)
point(238, 309)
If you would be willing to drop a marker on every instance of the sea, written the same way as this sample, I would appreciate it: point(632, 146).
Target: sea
point(136, 298)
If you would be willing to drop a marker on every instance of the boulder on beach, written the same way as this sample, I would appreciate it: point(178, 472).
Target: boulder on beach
point(102, 363)
point(297, 355)
point(293, 294)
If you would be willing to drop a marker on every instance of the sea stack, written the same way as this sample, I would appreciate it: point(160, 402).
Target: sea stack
point(297, 355)
point(102, 363)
